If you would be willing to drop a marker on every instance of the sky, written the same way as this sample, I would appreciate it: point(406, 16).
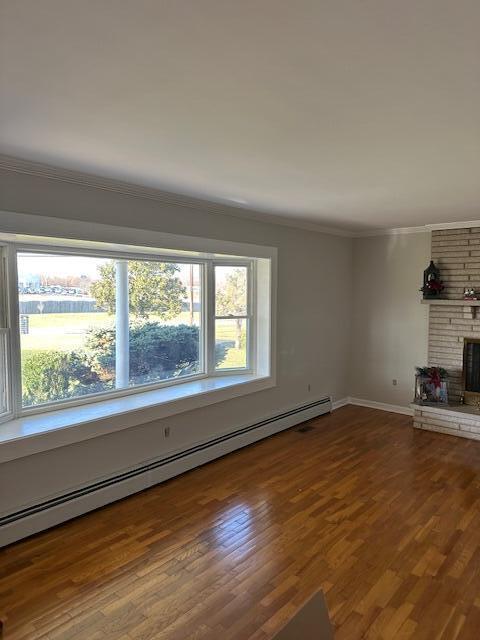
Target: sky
point(49, 265)
point(59, 265)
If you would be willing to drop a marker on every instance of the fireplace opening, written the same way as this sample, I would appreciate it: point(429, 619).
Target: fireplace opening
point(471, 370)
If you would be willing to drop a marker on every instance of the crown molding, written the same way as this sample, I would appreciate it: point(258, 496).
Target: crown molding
point(453, 225)
point(391, 232)
point(18, 165)
point(426, 228)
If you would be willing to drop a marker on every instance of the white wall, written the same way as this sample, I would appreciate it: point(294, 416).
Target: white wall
point(313, 331)
point(389, 325)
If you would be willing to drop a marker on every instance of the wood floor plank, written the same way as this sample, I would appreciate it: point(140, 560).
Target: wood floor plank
point(382, 517)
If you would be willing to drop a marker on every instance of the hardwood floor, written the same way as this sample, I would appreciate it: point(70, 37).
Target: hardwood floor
point(384, 518)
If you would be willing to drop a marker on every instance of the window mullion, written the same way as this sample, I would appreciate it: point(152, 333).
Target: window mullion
point(210, 320)
point(122, 326)
point(252, 319)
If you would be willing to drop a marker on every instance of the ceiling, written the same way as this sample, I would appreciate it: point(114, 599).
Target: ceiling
point(356, 114)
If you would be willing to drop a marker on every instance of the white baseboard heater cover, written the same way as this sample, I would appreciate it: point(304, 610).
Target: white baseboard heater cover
point(41, 516)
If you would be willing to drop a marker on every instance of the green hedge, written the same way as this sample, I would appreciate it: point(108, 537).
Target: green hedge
point(157, 352)
point(55, 375)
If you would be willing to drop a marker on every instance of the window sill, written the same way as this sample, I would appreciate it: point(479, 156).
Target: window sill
point(32, 434)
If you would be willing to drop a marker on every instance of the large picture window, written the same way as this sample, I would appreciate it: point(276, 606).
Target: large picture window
point(78, 326)
point(91, 325)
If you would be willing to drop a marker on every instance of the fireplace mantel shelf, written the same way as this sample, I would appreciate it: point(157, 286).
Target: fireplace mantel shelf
point(469, 306)
point(452, 303)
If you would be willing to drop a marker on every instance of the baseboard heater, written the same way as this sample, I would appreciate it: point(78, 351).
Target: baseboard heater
point(43, 515)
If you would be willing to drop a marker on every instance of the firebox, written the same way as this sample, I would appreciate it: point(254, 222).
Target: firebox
point(471, 370)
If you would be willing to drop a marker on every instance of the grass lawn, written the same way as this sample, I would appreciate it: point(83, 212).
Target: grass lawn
point(66, 332)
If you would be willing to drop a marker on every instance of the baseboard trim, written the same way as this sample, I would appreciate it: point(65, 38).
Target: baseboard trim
point(382, 406)
point(372, 404)
point(41, 516)
point(340, 403)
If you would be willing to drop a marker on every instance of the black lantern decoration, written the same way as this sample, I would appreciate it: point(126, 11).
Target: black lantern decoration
point(432, 285)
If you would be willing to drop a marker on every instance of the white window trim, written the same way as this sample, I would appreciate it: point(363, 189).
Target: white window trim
point(34, 231)
point(5, 336)
point(5, 388)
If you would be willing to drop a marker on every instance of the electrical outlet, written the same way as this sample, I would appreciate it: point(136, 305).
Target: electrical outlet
point(394, 382)
point(166, 432)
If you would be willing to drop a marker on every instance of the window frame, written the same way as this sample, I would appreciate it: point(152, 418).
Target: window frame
point(206, 347)
point(5, 336)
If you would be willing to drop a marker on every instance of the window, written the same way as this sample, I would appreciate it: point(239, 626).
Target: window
point(82, 325)
point(232, 316)
point(92, 325)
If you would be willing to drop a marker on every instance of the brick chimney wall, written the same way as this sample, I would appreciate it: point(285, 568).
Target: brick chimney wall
point(456, 252)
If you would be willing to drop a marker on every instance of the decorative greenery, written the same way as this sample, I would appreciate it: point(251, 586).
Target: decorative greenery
point(430, 372)
point(433, 288)
point(153, 288)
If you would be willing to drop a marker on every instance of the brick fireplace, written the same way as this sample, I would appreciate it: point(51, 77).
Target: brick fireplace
point(457, 254)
